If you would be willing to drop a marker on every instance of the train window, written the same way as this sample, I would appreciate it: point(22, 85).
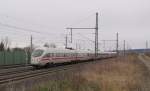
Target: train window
point(37, 53)
point(64, 54)
point(74, 54)
point(69, 55)
point(47, 55)
point(61, 54)
point(57, 54)
point(54, 54)
point(51, 54)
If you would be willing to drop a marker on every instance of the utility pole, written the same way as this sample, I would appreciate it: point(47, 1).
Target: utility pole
point(104, 44)
point(96, 34)
point(146, 50)
point(117, 43)
point(66, 45)
point(124, 47)
point(31, 45)
point(71, 35)
point(146, 44)
point(104, 41)
point(76, 46)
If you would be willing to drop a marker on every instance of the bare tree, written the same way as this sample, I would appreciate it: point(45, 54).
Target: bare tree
point(52, 45)
point(46, 45)
point(2, 46)
point(6, 43)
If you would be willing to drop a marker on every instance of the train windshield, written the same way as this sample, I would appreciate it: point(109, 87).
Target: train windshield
point(37, 53)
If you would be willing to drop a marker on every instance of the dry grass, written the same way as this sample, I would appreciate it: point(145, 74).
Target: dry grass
point(121, 74)
point(148, 54)
point(126, 74)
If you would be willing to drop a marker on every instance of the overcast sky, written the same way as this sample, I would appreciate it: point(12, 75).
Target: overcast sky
point(131, 18)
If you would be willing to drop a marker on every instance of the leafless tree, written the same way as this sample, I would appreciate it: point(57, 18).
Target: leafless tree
point(46, 45)
point(2, 46)
point(52, 45)
point(6, 43)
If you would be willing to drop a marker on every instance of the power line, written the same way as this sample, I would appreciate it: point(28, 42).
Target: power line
point(86, 38)
point(18, 33)
point(117, 43)
point(16, 37)
point(23, 29)
point(11, 32)
point(14, 27)
point(124, 47)
point(24, 22)
point(21, 34)
point(81, 20)
point(19, 28)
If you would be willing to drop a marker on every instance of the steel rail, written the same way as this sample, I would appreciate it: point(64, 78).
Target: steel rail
point(20, 76)
point(15, 70)
point(13, 66)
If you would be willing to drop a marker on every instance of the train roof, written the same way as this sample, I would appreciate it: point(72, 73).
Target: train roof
point(61, 50)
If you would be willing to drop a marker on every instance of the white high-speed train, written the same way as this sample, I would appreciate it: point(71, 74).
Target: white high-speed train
point(45, 56)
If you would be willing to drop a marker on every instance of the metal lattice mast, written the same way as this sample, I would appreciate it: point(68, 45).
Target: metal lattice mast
point(96, 34)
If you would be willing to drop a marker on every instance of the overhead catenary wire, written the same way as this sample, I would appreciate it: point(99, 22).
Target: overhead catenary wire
point(92, 41)
point(17, 37)
point(31, 30)
point(45, 34)
point(82, 20)
point(20, 34)
point(86, 37)
point(23, 21)
point(11, 32)
point(85, 18)
point(20, 29)
point(24, 29)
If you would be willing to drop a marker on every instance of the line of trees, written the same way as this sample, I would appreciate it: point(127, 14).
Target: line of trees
point(6, 43)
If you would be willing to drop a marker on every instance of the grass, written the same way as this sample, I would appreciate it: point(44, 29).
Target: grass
point(66, 85)
point(121, 74)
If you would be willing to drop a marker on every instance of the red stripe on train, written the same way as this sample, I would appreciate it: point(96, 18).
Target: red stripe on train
point(53, 58)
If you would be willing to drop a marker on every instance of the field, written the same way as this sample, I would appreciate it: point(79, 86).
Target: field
point(118, 74)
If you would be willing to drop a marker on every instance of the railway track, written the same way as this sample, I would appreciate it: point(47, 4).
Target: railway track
point(12, 66)
point(16, 76)
point(5, 72)
point(29, 74)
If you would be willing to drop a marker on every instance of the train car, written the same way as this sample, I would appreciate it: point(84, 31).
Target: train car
point(107, 54)
point(46, 56)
